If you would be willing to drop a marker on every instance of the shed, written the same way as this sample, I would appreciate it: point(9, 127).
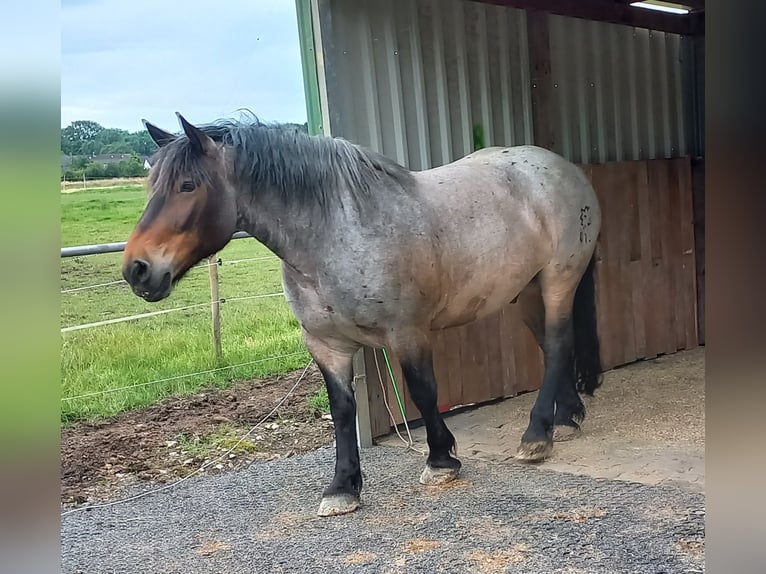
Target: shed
point(615, 88)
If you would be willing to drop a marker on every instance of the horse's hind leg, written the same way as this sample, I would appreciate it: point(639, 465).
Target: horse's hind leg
point(569, 408)
point(343, 493)
point(418, 369)
point(558, 344)
point(570, 411)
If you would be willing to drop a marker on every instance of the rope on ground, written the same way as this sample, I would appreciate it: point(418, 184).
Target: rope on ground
point(116, 389)
point(201, 468)
point(410, 444)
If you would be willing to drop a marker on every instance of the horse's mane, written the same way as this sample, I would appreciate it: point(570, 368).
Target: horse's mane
point(306, 170)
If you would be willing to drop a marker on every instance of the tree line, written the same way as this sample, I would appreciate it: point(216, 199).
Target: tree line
point(82, 140)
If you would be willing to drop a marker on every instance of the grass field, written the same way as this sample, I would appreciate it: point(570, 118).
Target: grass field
point(97, 360)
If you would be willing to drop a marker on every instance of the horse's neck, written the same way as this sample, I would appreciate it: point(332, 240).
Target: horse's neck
point(299, 228)
point(294, 234)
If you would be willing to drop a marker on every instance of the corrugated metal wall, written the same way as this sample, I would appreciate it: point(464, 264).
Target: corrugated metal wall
point(415, 80)
point(618, 90)
point(411, 79)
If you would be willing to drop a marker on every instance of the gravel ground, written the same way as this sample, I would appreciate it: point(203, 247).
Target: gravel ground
point(495, 518)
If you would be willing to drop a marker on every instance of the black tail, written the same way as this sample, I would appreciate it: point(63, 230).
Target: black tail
point(587, 356)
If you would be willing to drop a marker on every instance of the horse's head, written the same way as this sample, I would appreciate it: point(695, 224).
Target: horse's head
point(191, 212)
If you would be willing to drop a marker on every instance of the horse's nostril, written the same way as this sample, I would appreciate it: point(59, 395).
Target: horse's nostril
point(140, 271)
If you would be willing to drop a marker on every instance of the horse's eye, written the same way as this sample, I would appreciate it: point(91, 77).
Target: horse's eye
point(188, 186)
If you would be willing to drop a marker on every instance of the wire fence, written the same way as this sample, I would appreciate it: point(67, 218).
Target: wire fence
point(122, 282)
point(214, 304)
point(179, 377)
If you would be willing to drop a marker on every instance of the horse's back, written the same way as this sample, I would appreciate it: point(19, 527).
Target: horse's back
point(515, 182)
point(501, 215)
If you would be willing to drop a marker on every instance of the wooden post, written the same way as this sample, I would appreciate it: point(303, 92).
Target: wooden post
point(544, 112)
point(215, 304)
point(363, 424)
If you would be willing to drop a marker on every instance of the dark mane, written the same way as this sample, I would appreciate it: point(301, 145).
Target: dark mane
point(306, 170)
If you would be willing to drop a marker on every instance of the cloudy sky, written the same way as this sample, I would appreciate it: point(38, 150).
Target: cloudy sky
point(123, 61)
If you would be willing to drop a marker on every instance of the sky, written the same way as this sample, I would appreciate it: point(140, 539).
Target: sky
point(124, 61)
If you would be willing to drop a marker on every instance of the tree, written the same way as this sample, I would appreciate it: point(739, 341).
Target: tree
point(112, 170)
point(77, 134)
point(80, 163)
point(141, 143)
point(72, 174)
point(94, 171)
point(121, 146)
point(132, 168)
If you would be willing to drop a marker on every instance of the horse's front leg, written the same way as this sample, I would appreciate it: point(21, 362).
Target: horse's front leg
point(335, 362)
point(418, 370)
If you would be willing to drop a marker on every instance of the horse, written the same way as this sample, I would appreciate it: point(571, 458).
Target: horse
point(375, 254)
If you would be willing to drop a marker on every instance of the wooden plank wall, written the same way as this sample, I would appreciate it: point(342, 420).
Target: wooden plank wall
point(646, 279)
point(645, 295)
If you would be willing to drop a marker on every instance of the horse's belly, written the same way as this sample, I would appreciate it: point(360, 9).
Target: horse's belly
point(473, 300)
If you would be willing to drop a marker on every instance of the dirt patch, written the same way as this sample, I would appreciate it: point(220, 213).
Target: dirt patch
point(492, 562)
point(421, 545)
point(403, 519)
point(357, 558)
point(77, 185)
point(212, 547)
point(693, 547)
point(578, 515)
point(171, 439)
point(487, 528)
point(284, 522)
point(437, 490)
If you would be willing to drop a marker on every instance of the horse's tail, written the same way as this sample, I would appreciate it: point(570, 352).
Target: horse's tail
point(587, 356)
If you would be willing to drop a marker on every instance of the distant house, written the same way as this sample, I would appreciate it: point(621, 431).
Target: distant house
point(105, 159)
point(66, 160)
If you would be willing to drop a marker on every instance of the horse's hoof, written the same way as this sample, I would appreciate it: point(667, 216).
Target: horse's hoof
point(534, 451)
point(435, 476)
point(337, 504)
point(562, 433)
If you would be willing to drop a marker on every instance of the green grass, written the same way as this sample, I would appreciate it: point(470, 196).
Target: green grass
point(223, 438)
point(319, 401)
point(130, 354)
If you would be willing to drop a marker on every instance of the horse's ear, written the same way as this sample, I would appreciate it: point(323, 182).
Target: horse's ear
point(160, 137)
point(200, 141)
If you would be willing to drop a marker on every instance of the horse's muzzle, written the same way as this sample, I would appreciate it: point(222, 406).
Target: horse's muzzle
point(147, 281)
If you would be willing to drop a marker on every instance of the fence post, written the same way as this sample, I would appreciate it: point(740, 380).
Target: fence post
point(363, 424)
point(215, 303)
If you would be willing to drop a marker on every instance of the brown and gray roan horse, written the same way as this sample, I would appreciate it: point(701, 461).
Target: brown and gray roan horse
point(375, 254)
